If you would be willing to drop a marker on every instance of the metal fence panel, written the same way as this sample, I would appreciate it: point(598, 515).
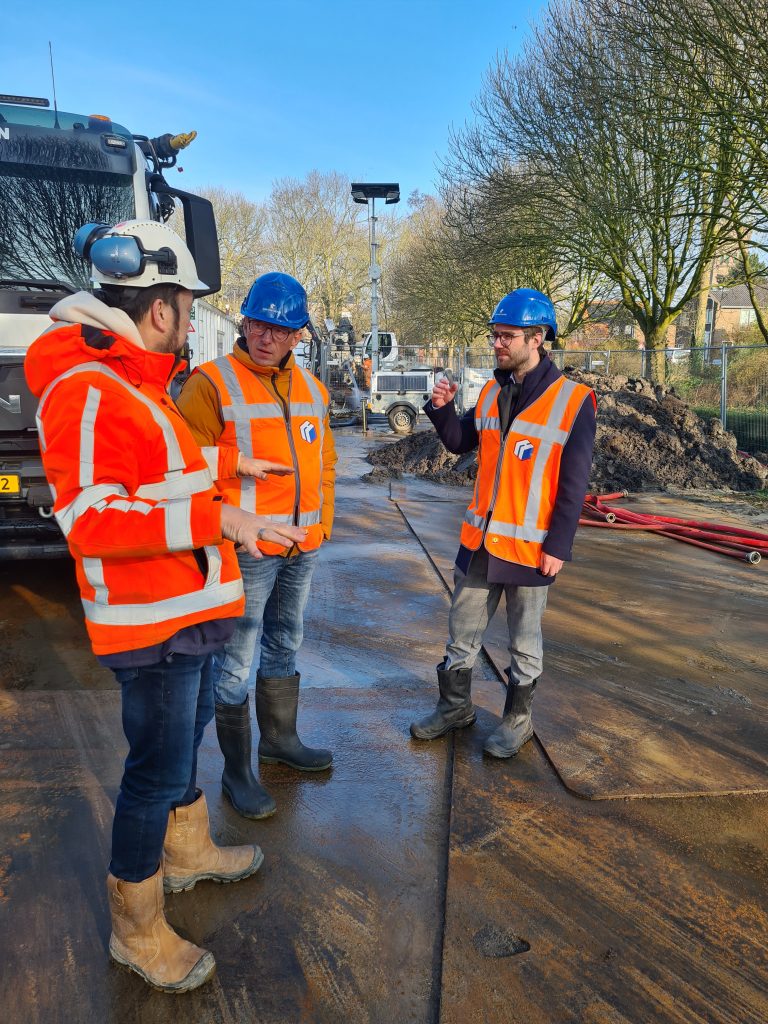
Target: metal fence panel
point(729, 382)
point(745, 376)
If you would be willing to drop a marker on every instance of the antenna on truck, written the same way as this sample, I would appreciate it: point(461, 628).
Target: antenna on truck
point(53, 81)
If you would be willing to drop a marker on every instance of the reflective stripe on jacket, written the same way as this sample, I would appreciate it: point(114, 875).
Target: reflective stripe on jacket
point(133, 494)
point(261, 426)
point(517, 476)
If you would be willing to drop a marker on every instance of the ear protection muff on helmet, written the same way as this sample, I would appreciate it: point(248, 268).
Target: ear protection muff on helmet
point(123, 255)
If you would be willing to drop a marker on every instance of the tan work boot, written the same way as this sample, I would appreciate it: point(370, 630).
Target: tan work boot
point(190, 855)
point(143, 941)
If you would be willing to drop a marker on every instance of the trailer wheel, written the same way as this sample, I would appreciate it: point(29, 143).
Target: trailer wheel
point(402, 419)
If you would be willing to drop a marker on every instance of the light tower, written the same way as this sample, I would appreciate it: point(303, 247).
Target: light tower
point(367, 193)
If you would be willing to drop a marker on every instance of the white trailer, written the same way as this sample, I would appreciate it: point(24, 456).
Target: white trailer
point(211, 333)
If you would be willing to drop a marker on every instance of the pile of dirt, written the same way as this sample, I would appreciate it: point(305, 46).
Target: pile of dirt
point(648, 439)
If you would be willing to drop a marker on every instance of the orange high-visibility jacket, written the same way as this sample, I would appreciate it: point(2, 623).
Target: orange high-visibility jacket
point(260, 425)
point(517, 477)
point(133, 494)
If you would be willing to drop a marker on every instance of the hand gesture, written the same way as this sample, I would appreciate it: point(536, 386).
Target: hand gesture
point(260, 468)
point(246, 529)
point(443, 392)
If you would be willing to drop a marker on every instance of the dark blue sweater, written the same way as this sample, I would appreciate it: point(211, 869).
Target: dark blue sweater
point(459, 435)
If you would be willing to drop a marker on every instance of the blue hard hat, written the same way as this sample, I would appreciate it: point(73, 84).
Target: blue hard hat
point(525, 307)
point(277, 299)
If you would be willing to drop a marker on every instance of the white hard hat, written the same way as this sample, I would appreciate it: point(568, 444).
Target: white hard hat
point(138, 254)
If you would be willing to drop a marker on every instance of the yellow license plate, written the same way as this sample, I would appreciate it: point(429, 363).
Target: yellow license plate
point(9, 483)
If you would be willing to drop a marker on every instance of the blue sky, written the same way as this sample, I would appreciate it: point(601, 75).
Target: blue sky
point(274, 89)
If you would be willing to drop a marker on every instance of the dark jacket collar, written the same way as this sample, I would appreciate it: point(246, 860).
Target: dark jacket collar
point(534, 378)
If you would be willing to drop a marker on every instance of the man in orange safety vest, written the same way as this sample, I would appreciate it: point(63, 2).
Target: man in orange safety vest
point(257, 402)
point(535, 431)
point(159, 581)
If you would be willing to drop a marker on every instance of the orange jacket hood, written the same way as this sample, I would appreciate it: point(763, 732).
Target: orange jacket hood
point(105, 335)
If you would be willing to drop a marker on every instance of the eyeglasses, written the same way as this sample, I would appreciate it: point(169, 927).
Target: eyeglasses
point(504, 339)
point(260, 329)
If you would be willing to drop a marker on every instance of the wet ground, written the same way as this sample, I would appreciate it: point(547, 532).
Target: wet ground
point(421, 882)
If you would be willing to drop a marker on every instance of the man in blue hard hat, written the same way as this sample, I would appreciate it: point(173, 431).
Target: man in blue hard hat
point(257, 408)
point(535, 431)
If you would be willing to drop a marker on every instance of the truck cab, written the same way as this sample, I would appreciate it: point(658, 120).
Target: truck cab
point(59, 171)
point(388, 348)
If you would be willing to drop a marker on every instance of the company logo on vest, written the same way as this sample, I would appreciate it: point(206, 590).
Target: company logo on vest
point(307, 431)
point(523, 450)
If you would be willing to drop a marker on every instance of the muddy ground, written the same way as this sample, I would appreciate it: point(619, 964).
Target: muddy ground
point(648, 439)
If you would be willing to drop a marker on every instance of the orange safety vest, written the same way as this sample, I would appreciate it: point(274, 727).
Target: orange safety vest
point(145, 527)
point(261, 426)
point(517, 476)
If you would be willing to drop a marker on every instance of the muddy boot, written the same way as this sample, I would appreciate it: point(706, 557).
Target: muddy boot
point(246, 794)
point(516, 726)
point(454, 708)
point(277, 702)
point(191, 856)
point(143, 941)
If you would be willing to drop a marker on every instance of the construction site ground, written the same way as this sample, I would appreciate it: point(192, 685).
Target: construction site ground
point(615, 872)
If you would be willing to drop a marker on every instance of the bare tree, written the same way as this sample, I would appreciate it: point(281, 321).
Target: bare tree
point(600, 141)
point(489, 233)
point(435, 294)
point(315, 233)
point(721, 47)
point(241, 226)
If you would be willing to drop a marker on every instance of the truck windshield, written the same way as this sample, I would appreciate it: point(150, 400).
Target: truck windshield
point(41, 208)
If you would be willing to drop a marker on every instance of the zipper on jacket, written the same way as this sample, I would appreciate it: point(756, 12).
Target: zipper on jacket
point(502, 453)
point(287, 418)
point(497, 475)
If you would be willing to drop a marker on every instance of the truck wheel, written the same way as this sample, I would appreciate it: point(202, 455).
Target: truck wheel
point(401, 419)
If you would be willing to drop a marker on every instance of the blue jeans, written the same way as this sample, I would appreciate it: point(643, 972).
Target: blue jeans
point(166, 708)
point(276, 594)
point(474, 604)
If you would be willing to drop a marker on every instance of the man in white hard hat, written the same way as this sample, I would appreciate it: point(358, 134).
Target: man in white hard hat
point(158, 577)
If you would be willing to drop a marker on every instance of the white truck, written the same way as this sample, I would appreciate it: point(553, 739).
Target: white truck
point(59, 171)
point(389, 352)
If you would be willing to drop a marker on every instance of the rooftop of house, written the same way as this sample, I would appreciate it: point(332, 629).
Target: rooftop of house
point(737, 297)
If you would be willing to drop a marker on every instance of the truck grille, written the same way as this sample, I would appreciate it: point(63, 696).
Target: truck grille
point(402, 382)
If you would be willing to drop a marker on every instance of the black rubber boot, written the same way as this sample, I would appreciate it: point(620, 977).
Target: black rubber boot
point(246, 794)
point(516, 726)
point(454, 708)
point(277, 701)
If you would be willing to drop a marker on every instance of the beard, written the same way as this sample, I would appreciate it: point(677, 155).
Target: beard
point(173, 341)
point(514, 362)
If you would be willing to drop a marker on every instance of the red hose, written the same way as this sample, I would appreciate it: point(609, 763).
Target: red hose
point(603, 517)
point(595, 500)
point(741, 538)
point(733, 550)
point(720, 538)
point(752, 557)
point(625, 516)
point(702, 524)
point(619, 526)
point(607, 497)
